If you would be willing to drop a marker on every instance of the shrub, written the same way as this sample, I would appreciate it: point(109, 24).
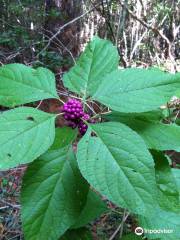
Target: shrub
point(120, 152)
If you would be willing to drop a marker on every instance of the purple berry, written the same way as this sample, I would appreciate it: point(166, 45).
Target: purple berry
point(65, 108)
point(81, 113)
point(71, 101)
point(74, 105)
point(78, 104)
point(74, 115)
point(85, 116)
point(72, 124)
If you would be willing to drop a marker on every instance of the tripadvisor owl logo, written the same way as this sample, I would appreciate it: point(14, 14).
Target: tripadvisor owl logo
point(139, 231)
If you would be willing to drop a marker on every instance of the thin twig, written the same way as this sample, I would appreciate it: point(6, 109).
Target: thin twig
point(2, 208)
point(57, 39)
point(61, 101)
point(39, 104)
point(90, 107)
point(119, 227)
point(99, 114)
point(64, 26)
point(137, 44)
point(177, 115)
point(68, 95)
point(155, 30)
point(59, 114)
point(123, 220)
point(10, 204)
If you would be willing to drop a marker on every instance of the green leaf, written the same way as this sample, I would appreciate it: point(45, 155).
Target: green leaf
point(25, 134)
point(20, 84)
point(131, 236)
point(161, 220)
point(78, 234)
point(176, 174)
point(94, 208)
point(63, 137)
point(157, 116)
point(136, 90)
point(156, 134)
point(99, 58)
point(163, 217)
point(168, 194)
point(53, 195)
point(118, 165)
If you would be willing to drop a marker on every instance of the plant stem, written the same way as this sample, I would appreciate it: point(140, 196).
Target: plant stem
point(61, 101)
point(125, 216)
point(99, 114)
point(59, 114)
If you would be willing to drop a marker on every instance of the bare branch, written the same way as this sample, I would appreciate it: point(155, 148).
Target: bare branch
point(64, 26)
point(125, 216)
point(137, 44)
point(155, 30)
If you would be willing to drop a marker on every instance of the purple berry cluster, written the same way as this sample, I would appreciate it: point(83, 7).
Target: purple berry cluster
point(74, 115)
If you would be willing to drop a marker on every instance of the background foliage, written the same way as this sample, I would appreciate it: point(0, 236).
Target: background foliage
point(145, 32)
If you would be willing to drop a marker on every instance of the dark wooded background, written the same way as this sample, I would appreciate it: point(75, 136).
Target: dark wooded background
point(145, 32)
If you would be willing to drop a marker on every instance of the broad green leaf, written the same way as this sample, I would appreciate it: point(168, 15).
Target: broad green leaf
point(161, 221)
point(131, 236)
point(168, 193)
point(157, 116)
point(63, 137)
point(177, 93)
point(99, 58)
point(176, 174)
point(94, 208)
point(118, 165)
point(136, 90)
point(25, 134)
point(20, 84)
point(78, 234)
point(155, 133)
point(53, 195)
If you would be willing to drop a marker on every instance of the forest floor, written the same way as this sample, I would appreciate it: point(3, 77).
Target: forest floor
point(10, 184)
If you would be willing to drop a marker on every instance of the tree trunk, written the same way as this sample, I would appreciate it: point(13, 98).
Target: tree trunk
point(65, 11)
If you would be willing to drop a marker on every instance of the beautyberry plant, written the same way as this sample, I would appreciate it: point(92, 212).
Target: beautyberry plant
point(120, 136)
